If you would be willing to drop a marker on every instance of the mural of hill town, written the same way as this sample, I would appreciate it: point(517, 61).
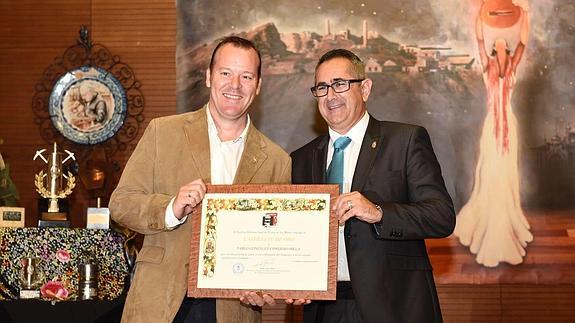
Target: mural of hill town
point(291, 53)
point(432, 85)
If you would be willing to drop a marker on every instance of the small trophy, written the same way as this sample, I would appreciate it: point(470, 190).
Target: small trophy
point(49, 185)
point(88, 276)
point(88, 281)
point(30, 278)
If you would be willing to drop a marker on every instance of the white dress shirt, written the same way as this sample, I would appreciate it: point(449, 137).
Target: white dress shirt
point(224, 161)
point(350, 155)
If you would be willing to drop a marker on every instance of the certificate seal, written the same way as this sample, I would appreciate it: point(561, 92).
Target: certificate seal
point(238, 268)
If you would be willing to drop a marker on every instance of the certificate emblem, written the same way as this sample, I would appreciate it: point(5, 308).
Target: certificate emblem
point(238, 268)
point(270, 219)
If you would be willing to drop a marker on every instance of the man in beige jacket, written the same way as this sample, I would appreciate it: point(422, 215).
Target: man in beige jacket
point(164, 180)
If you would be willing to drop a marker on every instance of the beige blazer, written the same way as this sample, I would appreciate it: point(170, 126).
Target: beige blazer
point(174, 150)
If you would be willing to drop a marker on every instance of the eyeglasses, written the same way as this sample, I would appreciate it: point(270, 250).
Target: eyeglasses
point(338, 86)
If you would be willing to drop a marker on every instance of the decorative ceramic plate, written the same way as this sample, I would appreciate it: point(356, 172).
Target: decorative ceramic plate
point(88, 105)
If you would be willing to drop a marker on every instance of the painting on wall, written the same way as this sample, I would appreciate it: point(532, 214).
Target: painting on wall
point(493, 82)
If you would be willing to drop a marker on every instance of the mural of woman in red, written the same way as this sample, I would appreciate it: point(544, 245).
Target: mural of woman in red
point(492, 222)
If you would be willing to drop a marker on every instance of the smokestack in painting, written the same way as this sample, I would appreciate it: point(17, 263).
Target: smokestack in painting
point(364, 45)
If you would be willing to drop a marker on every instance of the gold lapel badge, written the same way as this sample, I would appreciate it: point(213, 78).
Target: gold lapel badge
point(374, 144)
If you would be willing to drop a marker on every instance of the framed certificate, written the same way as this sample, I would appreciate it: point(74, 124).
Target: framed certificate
point(12, 217)
point(275, 239)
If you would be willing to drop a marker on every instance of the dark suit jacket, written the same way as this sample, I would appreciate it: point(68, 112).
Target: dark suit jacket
point(388, 263)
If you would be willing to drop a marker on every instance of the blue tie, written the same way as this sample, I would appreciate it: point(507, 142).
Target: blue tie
point(335, 169)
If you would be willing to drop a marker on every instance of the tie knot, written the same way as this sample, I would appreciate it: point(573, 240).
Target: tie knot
point(341, 143)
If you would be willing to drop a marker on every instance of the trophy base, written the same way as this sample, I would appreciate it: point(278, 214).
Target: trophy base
point(29, 294)
point(58, 224)
point(54, 216)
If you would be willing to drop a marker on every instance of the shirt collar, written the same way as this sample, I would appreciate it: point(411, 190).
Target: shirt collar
point(213, 129)
point(356, 133)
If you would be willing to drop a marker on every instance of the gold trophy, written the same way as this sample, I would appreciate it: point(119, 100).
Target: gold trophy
point(49, 185)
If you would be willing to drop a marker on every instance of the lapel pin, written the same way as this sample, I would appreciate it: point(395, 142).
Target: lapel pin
point(254, 160)
point(374, 144)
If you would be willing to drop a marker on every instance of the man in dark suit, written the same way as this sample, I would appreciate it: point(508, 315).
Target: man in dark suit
point(393, 197)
